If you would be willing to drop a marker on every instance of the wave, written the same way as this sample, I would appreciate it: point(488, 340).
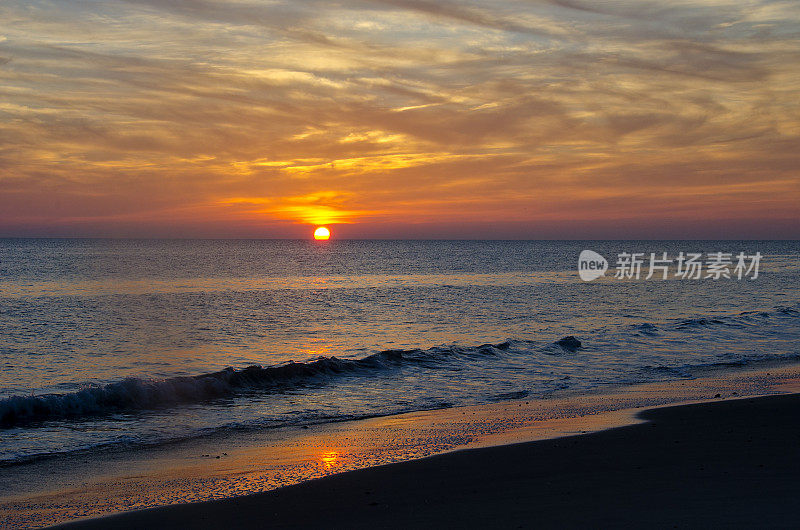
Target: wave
point(567, 344)
point(645, 328)
point(740, 320)
point(690, 370)
point(135, 394)
point(699, 323)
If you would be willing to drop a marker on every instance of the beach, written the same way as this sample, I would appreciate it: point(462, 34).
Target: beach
point(733, 463)
point(565, 449)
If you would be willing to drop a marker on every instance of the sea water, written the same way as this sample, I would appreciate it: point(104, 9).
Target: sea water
point(113, 344)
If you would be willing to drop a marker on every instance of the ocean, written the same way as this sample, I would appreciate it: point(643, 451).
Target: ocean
point(109, 345)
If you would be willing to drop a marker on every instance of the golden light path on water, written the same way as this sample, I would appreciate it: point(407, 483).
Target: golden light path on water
point(18, 289)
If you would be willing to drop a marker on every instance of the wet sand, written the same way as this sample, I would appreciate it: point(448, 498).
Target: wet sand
point(733, 463)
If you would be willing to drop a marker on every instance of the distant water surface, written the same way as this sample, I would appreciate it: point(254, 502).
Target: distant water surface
point(117, 343)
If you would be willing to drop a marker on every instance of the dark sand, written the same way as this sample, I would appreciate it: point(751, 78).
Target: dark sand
point(723, 464)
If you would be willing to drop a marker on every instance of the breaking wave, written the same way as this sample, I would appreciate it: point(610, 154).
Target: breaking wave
point(135, 394)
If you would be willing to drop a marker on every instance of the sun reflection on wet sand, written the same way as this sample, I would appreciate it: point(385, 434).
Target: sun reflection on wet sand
point(329, 459)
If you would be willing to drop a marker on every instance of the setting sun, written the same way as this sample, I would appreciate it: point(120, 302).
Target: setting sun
point(322, 233)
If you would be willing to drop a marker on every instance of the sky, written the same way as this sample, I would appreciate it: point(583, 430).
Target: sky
point(534, 119)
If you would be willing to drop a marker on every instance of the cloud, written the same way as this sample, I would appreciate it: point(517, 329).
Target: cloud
point(470, 14)
point(394, 112)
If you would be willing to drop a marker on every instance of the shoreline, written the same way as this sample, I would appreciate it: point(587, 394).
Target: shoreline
point(235, 466)
point(725, 463)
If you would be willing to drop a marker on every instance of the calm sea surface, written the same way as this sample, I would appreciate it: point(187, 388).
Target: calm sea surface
point(118, 343)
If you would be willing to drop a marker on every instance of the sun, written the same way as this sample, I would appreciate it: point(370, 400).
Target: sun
point(322, 234)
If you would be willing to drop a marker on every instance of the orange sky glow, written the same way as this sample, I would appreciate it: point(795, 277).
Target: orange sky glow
point(400, 119)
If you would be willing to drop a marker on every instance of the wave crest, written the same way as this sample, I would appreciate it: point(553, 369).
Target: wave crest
point(135, 394)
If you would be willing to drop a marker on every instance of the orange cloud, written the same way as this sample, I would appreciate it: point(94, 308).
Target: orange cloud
point(322, 208)
point(186, 118)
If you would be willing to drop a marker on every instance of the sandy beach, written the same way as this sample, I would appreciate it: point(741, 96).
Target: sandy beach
point(733, 463)
point(502, 462)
